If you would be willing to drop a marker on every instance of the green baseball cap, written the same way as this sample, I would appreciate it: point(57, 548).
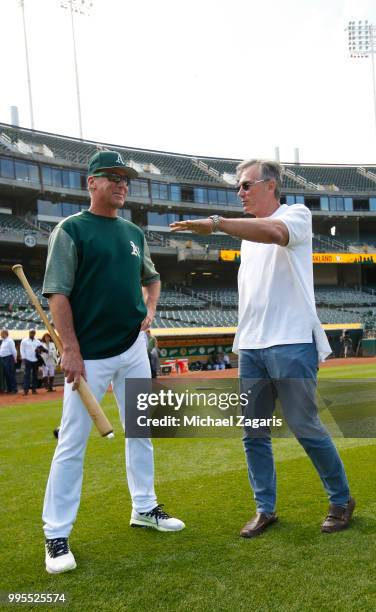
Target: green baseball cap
point(109, 160)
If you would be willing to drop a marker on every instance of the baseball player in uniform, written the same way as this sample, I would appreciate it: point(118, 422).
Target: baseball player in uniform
point(103, 291)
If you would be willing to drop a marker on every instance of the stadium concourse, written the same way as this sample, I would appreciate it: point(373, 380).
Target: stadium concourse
point(43, 180)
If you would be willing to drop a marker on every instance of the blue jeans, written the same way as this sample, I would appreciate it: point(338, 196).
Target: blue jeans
point(288, 371)
point(31, 371)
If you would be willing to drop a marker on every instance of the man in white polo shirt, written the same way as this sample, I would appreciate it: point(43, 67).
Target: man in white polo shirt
point(8, 356)
point(30, 361)
point(279, 338)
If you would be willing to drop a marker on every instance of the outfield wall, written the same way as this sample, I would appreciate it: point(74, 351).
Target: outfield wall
point(198, 343)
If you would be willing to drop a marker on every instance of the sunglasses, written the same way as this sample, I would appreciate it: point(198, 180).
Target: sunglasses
point(246, 185)
point(114, 178)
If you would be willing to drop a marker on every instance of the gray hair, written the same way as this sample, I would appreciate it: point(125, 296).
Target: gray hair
point(268, 170)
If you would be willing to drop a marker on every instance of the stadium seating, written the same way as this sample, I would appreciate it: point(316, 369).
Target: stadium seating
point(14, 224)
point(320, 244)
point(215, 241)
point(363, 244)
point(78, 151)
point(176, 299)
point(338, 296)
point(183, 307)
point(345, 315)
point(12, 293)
point(220, 297)
point(155, 238)
point(324, 244)
point(219, 307)
point(185, 167)
point(196, 318)
point(46, 226)
point(21, 319)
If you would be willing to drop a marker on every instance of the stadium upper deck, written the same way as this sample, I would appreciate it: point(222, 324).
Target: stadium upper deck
point(43, 179)
point(66, 151)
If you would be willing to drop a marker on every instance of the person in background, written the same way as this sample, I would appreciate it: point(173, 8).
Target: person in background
point(220, 365)
point(154, 360)
point(151, 340)
point(226, 361)
point(49, 357)
point(153, 355)
point(30, 360)
point(8, 356)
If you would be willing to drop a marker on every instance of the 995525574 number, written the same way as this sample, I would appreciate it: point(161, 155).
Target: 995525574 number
point(35, 598)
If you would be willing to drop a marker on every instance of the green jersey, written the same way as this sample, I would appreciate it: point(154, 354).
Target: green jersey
point(100, 264)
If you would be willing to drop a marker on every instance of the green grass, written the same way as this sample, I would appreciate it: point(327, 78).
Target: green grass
point(207, 567)
point(351, 371)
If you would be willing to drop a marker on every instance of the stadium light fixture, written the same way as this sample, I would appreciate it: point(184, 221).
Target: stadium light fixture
point(82, 7)
point(22, 7)
point(362, 44)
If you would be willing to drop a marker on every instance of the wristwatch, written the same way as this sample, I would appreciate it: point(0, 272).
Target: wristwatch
point(216, 221)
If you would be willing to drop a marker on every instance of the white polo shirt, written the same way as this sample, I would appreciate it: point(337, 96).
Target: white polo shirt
point(8, 348)
point(276, 296)
point(27, 349)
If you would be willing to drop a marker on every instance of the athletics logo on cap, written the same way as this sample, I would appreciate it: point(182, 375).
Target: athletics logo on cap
point(108, 160)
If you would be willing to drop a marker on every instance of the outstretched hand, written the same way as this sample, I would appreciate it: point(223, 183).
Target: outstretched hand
point(203, 227)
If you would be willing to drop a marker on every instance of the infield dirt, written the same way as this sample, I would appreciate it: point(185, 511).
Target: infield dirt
point(44, 396)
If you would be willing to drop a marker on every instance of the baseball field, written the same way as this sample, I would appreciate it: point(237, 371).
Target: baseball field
point(206, 567)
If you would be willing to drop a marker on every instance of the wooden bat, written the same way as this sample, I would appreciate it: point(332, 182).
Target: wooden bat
point(92, 406)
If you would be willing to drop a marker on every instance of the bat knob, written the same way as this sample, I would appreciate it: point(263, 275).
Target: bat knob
point(110, 435)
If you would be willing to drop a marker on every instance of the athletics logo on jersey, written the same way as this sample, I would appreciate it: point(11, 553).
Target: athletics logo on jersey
point(135, 249)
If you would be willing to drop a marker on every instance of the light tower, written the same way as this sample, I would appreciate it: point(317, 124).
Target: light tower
point(82, 7)
point(21, 4)
point(362, 44)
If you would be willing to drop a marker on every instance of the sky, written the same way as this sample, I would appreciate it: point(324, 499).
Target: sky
point(218, 78)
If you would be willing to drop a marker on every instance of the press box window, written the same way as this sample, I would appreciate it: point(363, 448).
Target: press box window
point(139, 188)
point(7, 168)
point(232, 197)
point(187, 194)
point(200, 195)
point(26, 172)
point(49, 209)
point(213, 196)
point(71, 179)
point(175, 193)
point(222, 196)
point(159, 191)
point(361, 205)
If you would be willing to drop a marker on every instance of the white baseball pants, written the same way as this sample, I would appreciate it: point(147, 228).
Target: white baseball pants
point(48, 370)
point(63, 491)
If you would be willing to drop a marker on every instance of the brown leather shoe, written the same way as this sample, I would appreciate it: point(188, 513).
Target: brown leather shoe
point(258, 524)
point(338, 518)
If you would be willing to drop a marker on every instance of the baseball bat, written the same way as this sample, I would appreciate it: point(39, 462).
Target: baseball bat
point(92, 406)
